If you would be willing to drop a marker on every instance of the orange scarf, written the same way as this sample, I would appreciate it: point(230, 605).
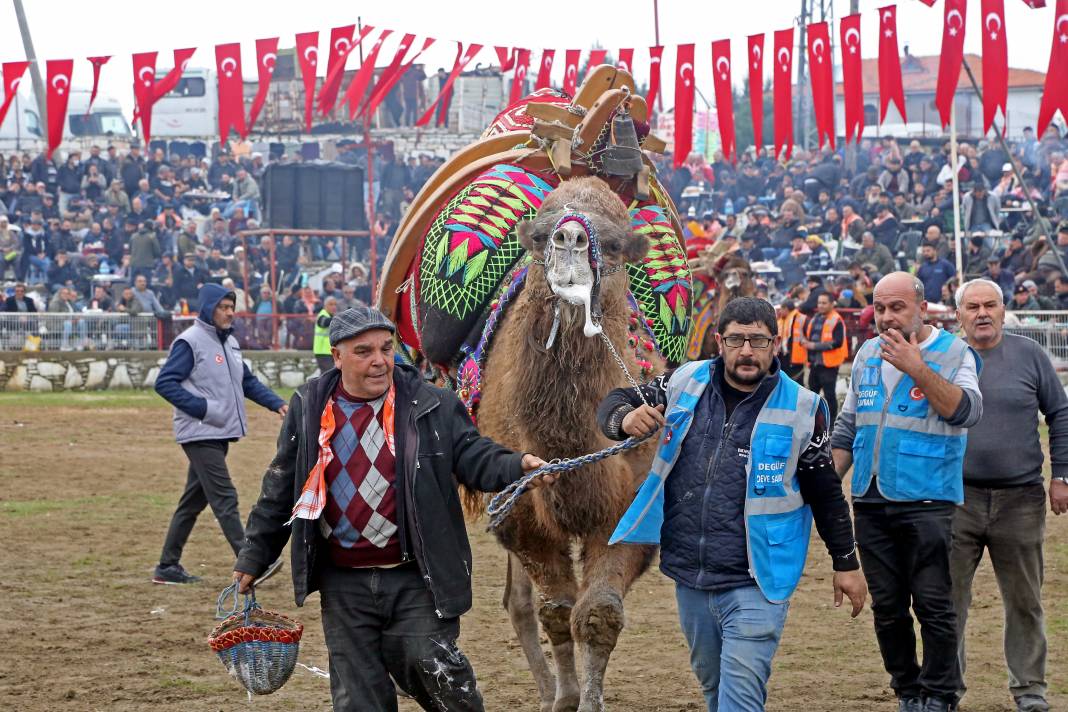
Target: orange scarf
point(312, 498)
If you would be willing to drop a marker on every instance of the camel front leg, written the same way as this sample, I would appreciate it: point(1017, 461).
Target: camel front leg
point(519, 602)
point(607, 574)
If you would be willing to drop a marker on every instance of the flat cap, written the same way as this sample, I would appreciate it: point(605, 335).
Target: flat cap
point(355, 321)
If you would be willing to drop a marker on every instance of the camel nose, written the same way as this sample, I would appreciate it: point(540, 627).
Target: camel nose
point(570, 236)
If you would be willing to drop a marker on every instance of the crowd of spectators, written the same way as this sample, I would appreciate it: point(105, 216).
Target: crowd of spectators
point(118, 231)
point(816, 223)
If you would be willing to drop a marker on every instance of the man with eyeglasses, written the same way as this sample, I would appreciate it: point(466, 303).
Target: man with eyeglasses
point(913, 394)
point(742, 469)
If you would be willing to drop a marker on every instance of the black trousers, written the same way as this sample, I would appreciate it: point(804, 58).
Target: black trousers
point(795, 371)
point(207, 483)
point(381, 626)
point(824, 380)
point(905, 550)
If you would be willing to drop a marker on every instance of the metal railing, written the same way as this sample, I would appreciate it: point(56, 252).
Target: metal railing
point(1048, 328)
point(261, 332)
point(82, 331)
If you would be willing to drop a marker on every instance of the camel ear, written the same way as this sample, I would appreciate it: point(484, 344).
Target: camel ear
point(636, 247)
point(529, 238)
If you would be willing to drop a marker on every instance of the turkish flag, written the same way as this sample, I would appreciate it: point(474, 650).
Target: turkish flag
point(266, 57)
point(782, 64)
point(13, 72)
point(655, 55)
point(626, 60)
point(684, 89)
point(545, 68)
point(358, 86)
point(231, 91)
point(336, 72)
point(307, 50)
point(952, 57)
point(819, 59)
point(928, 3)
point(597, 58)
point(168, 83)
point(852, 77)
point(144, 73)
point(385, 83)
point(890, 87)
point(571, 61)
point(995, 61)
point(59, 72)
point(756, 88)
point(387, 74)
point(505, 57)
point(1055, 93)
point(445, 93)
point(519, 77)
point(340, 45)
point(1036, 4)
point(721, 80)
point(97, 63)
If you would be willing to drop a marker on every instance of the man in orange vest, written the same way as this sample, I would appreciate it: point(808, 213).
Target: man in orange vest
point(828, 348)
point(791, 327)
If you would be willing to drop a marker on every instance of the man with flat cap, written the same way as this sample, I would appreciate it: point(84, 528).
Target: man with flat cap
point(363, 480)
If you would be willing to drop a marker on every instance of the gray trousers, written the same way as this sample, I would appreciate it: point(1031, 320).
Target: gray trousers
point(1009, 523)
point(382, 633)
point(207, 483)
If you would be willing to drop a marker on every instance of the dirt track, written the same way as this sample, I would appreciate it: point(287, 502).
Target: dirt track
point(87, 485)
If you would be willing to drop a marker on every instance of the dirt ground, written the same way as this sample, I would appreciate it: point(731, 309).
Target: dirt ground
point(87, 485)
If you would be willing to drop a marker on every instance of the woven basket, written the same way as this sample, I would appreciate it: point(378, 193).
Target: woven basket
point(259, 648)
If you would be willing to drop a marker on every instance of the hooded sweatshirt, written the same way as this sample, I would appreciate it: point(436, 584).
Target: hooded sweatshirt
point(193, 377)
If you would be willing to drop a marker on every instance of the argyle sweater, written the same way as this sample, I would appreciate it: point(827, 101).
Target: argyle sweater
point(360, 515)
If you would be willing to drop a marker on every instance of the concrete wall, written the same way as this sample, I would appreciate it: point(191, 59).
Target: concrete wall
point(45, 371)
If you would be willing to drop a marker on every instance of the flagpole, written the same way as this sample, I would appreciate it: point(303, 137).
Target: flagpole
point(956, 189)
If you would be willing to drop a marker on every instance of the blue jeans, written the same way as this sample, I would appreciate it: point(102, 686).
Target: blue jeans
point(732, 635)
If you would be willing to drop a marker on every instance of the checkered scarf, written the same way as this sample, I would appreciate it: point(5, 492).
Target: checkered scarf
point(312, 498)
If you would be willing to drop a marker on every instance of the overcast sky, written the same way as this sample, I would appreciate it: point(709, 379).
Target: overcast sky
point(76, 29)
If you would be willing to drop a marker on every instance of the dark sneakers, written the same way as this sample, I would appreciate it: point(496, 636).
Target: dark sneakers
point(1031, 703)
point(909, 704)
point(173, 574)
point(937, 704)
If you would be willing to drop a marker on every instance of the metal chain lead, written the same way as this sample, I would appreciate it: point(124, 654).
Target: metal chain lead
point(500, 506)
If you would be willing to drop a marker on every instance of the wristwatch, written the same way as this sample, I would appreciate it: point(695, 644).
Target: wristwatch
point(1062, 480)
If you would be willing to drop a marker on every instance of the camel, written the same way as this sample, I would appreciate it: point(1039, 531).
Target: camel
point(543, 400)
point(734, 278)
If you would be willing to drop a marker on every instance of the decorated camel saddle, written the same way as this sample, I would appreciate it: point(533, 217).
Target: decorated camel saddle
point(456, 260)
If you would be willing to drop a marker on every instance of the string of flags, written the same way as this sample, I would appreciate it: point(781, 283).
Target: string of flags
point(365, 91)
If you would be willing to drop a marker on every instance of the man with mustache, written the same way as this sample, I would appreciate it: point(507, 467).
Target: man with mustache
point(1004, 510)
point(903, 428)
point(742, 463)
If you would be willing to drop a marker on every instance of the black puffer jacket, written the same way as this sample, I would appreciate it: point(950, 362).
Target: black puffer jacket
point(434, 438)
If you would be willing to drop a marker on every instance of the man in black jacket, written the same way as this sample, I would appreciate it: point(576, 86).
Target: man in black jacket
point(376, 521)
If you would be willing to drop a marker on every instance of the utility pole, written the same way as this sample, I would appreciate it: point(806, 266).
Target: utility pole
point(802, 113)
point(851, 148)
point(35, 71)
point(656, 39)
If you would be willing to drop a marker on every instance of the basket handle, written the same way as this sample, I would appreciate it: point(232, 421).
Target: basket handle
point(231, 592)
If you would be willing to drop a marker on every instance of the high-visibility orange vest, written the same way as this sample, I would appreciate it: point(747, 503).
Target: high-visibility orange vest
point(834, 357)
point(795, 323)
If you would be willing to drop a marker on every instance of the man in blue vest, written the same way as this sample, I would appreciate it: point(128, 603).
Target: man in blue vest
point(903, 428)
point(207, 382)
point(742, 468)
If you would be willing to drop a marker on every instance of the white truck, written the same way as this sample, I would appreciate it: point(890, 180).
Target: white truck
point(23, 129)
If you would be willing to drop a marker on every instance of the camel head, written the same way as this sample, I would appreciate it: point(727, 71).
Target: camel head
point(735, 277)
point(582, 235)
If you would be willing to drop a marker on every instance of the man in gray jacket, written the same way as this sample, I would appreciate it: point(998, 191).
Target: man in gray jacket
point(206, 381)
point(1004, 510)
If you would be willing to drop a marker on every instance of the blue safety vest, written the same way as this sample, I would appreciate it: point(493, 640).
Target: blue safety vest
point(910, 449)
point(777, 520)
